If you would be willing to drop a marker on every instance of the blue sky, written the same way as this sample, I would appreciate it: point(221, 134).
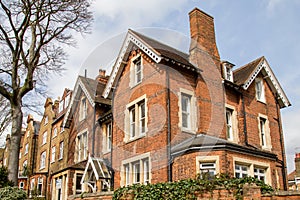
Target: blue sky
point(245, 30)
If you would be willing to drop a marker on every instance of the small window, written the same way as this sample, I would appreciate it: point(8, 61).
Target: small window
point(136, 173)
point(44, 138)
point(21, 186)
point(259, 173)
point(138, 70)
point(229, 124)
point(262, 125)
point(208, 168)
point(146, 171)
point(61, 150)
point(43, 160)
point(78, 183)
point(127, 174)
point(53, 151)
point(54, 132)
point(186, 111)
point(83, 109)
point(82, 146)
point(26, 149)
point(241, 171)
point(260, 91)
point(40, 186)
point(108, 136)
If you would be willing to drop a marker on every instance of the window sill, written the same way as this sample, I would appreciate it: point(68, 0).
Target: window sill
point(135, 84)
point(106, 152)
point(188, 131)
point(261, 101)
point(134, 138)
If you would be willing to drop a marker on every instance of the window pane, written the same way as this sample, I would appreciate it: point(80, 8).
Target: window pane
point(185, 109)
point(132, 122)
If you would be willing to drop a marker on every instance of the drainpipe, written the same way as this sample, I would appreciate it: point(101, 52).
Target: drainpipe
point(48, 174)
point(112, 134)
point(169, 127)
point(283, 162)
point(245, 119)
point(94, 130)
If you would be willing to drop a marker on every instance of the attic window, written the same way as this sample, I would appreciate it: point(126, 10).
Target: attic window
point(227, 70)
point(136, 74)
point(260, 90)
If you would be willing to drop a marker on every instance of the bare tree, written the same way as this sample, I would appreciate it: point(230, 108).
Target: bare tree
point(5, 115)
point(32, 35)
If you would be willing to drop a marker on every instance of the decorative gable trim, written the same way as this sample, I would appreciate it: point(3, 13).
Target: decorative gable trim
point(271, 80)
point(74, 95)
point(99, 169)
point(130, 39)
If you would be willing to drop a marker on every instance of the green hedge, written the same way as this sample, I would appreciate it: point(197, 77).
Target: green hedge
point(188, 188)
point(12, 193)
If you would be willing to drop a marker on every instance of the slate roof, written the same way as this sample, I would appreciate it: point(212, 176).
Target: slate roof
point(90, 85)
point(242, 74)
point(203, 142)
point(165, 50)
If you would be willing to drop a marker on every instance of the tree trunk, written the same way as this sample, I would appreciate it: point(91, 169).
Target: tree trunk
point(16, 132)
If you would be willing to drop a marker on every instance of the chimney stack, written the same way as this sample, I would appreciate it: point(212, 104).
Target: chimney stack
point(102, 77)
point(203, 39)
point(297, 164)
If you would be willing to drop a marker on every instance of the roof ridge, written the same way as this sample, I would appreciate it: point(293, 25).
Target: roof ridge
point(150, 38)
point(246, 65)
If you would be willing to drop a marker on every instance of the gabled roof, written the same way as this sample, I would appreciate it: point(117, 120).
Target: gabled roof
point(95, 168)
point(245, 75)
point(88, 86)
point(156, 50)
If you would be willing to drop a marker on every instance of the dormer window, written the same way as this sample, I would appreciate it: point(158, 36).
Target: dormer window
point(227, 70)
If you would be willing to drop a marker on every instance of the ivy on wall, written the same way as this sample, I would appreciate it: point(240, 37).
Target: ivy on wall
point(189, 188)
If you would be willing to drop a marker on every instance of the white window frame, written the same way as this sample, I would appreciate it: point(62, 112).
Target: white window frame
point(40, 182)
point(53, 154)
point(191, 111)
point(134, 119)
point(21, 185)
point(61, 150)
point(136, 170)
point(239, 168)
point(26, 148)
point(55, 132)
point(264, 132)
point(207, 159)
point(83, 108)
point(43, 160)
point(136, 74)
point(233, 135)
point(44, 141)
point(259, 174)
point(252, 164)
point(82, 146)
point(228, 73)
point(107, 136)
point(260, 90)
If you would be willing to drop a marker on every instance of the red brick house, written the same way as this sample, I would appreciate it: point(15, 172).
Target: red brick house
point(176, 115)
point(84, 133)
